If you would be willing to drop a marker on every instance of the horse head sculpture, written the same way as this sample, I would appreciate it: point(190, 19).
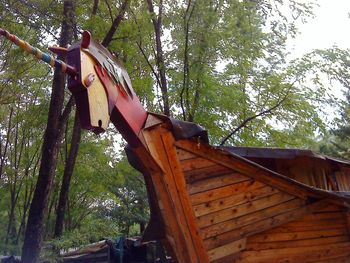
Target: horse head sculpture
point(100, 85)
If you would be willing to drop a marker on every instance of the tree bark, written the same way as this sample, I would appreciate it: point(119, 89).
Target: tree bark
point(38, 208)
point(67, 175)
point(108, 38)
point(157, 24)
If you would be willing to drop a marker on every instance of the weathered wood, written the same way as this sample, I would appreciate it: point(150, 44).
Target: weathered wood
point(225, 191)
point(179, 179)
point(230, 258)
point(309, 227)
point(298, 254)
point(253, 170)
point(207, 172)
point(194, 164)
point(173, 234)
point(347, 218)
point(217, 229)
point(161, 146)
point(253, 245)
point(243, 209)
point(215, 182)
point(228, 249)
point(323, 222)
point(263, 225)
point(323, 215)
point(341, 259)
point(183, 155)
point(271, 237)
point(152, 121)
point(226, 202)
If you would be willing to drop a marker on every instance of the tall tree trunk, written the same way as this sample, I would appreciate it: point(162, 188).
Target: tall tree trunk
point(38, 208)
point(67, 175)
point(157, 24)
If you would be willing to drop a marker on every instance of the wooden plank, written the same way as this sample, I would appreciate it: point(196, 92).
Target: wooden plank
point(196, 163)
point(340, 259)
point(183, 155)
point(167, 210)
point(226, 202)
point(297, 254)
point(347, 219)
point(332, 208)
point(309, 227)
point(179, 179)
point(252, 245)
point(272, 237)
point(215, 182)
point(207, 172)
point(326, 215)
point(243, 209)
point(230, 258)
point(323, 222)
point(226, 250)
point(156, 147)
point(263, 225)
point(230, 225)
point(247, 168)
point(225, 191)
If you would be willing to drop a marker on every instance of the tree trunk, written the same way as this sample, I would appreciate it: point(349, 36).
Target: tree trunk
point(157, 24)
point(38, 208)
point(67, 175)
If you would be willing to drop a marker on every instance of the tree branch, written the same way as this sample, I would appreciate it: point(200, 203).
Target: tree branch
point(108, 38)
point(249, 119)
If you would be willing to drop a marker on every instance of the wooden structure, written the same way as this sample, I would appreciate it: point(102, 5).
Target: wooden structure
point(216, 206)
point(210, 204)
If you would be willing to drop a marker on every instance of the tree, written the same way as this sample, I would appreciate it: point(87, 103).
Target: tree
point(51, 143)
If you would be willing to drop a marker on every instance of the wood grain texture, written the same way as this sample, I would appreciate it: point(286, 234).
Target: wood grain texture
point(215, 182)
point(161, 145)
point(233, 200)
point(262, 225)
point(230, 225)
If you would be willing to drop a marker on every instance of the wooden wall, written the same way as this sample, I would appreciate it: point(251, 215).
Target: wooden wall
point(322, 236)
point(244, 220)
point(315, 172)
point(220, 208)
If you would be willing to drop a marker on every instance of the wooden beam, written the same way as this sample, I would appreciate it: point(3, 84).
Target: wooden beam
point(160, 143)
point(174, 237)
point(179, 179)
point(226, 250)
point(215, 182)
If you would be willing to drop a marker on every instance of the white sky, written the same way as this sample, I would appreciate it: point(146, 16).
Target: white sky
point(331, 26)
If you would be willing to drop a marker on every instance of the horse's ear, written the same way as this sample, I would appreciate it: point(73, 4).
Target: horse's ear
point(85, 42)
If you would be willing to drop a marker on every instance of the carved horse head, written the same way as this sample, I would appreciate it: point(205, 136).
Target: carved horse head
point(103, 90)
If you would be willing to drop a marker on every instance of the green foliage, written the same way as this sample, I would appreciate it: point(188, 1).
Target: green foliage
point(225, 63)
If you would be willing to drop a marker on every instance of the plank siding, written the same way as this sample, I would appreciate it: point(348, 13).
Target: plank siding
point(220, 208)
point(320, 235)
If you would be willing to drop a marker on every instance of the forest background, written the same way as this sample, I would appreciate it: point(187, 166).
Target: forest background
point(223, 64)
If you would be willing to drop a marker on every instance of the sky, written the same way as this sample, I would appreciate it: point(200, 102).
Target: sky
point(331, 26)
